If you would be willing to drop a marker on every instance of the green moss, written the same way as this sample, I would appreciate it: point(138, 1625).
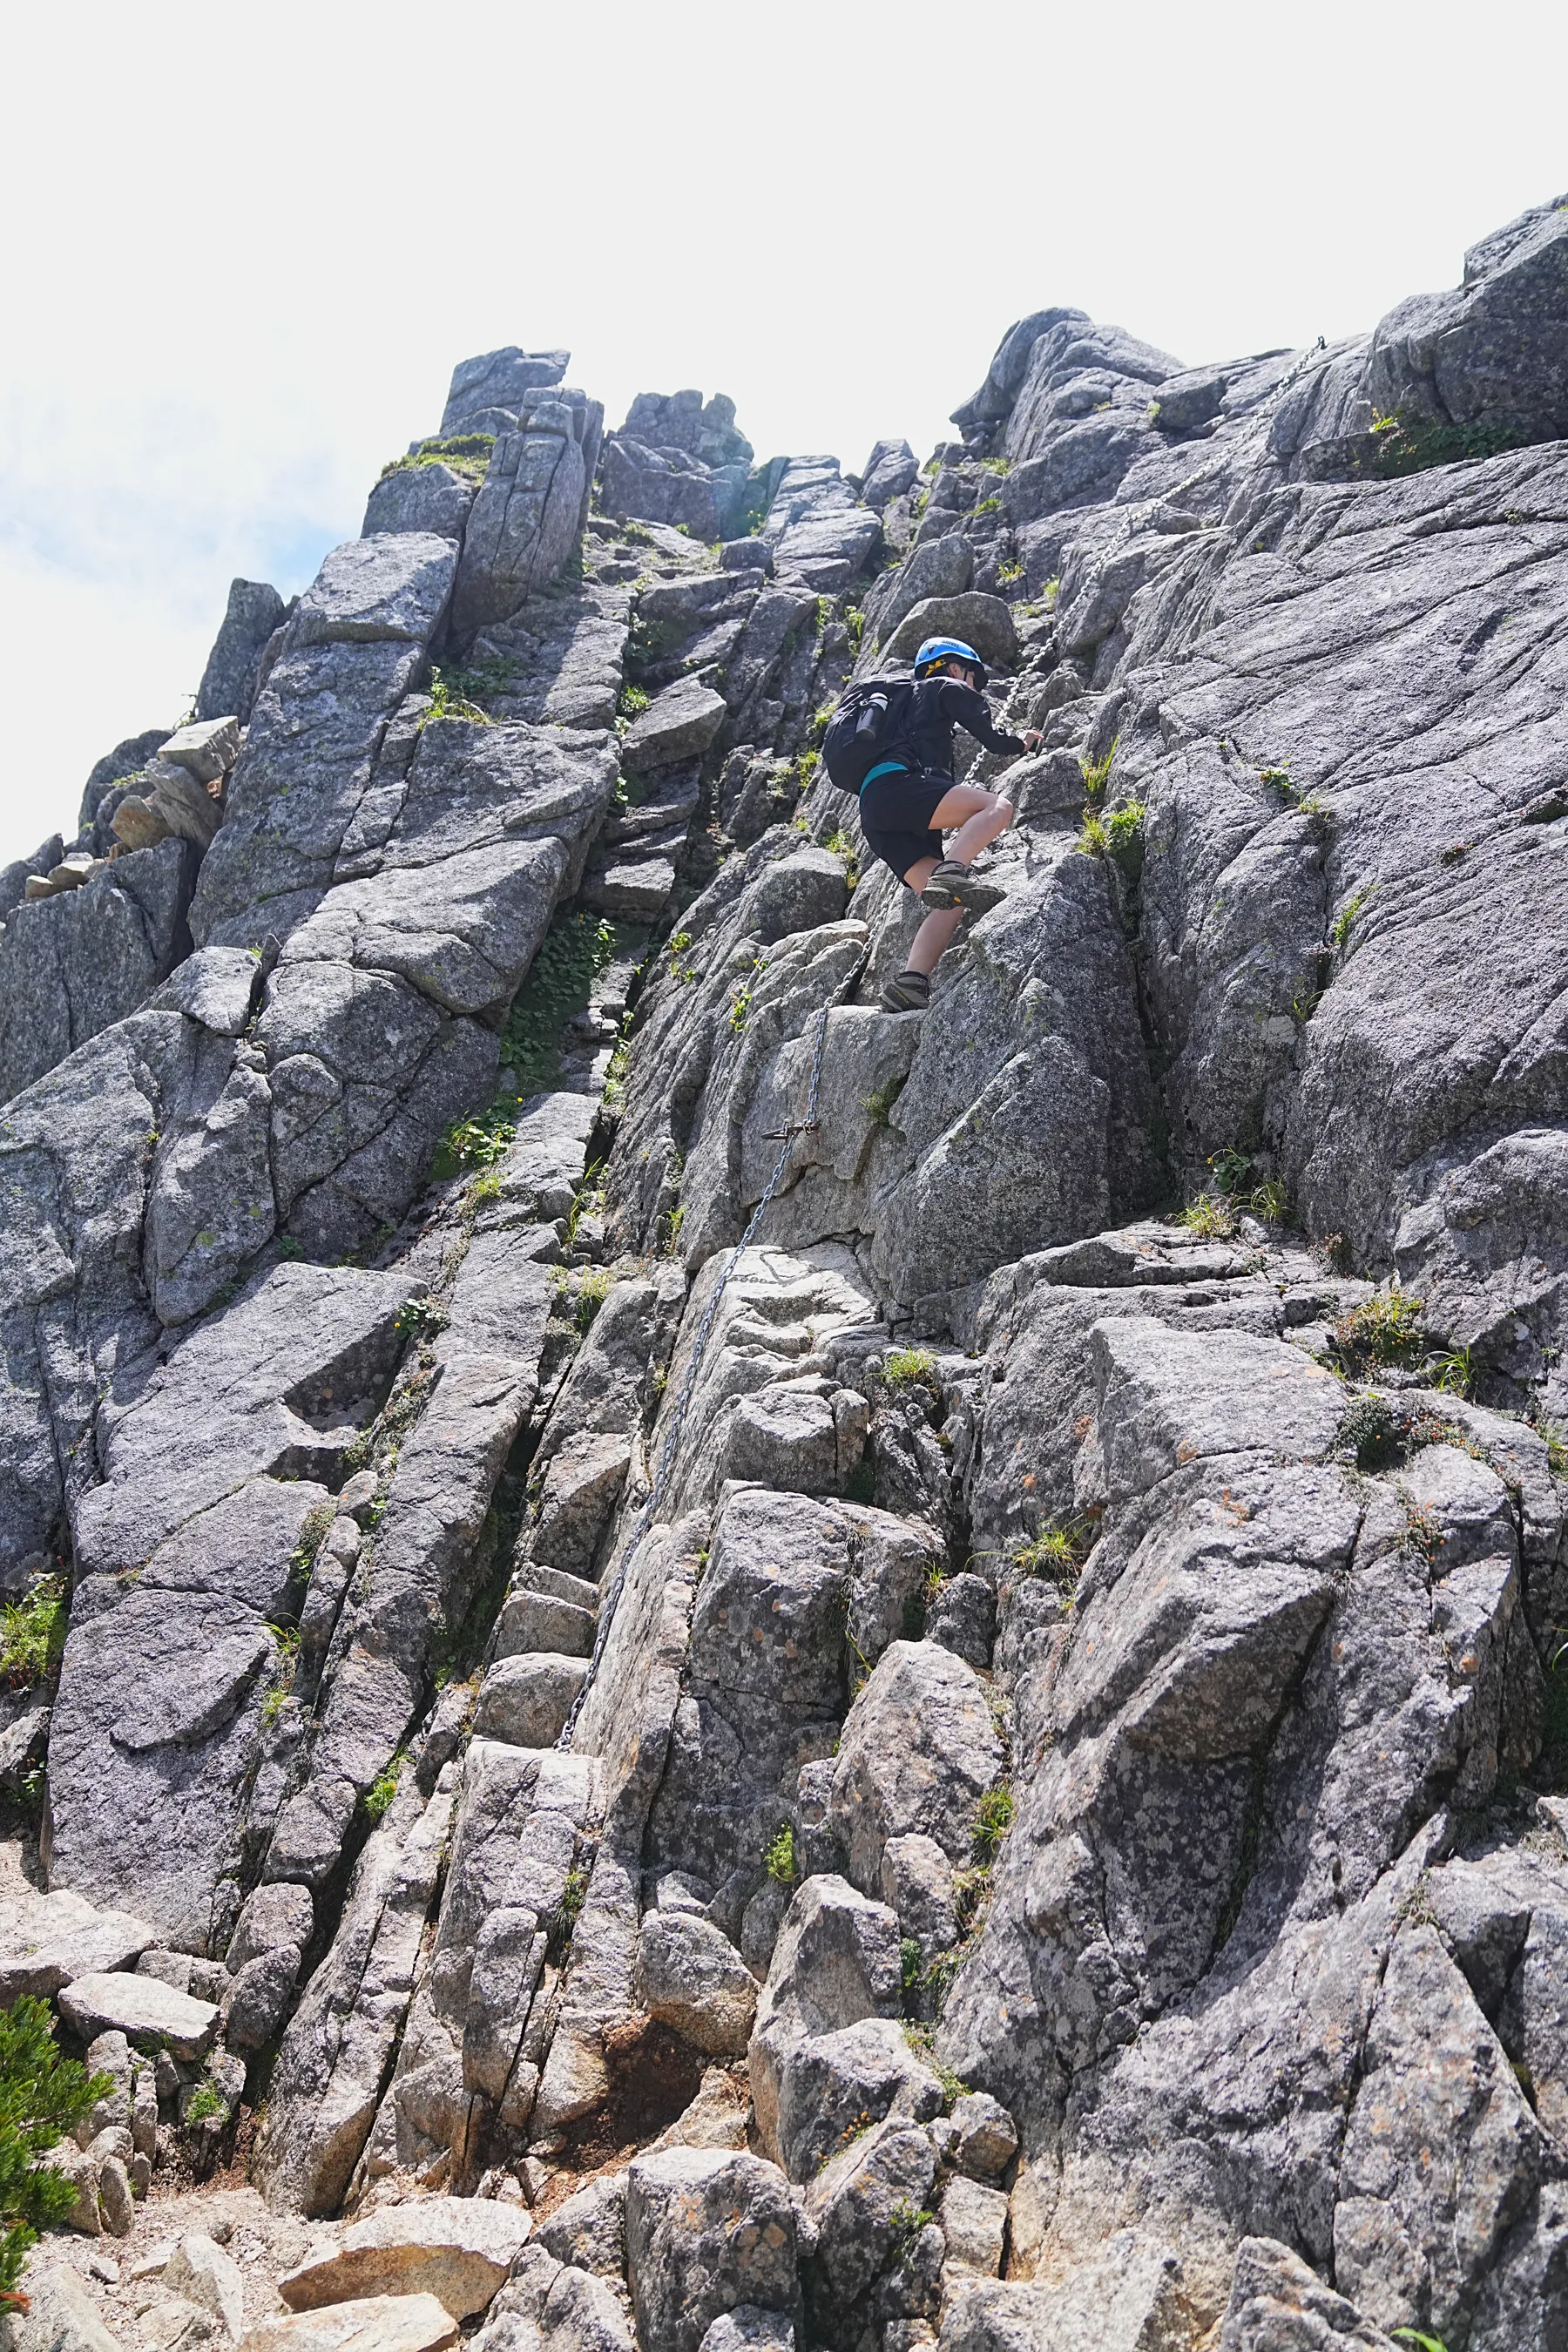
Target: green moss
point(877, 1105)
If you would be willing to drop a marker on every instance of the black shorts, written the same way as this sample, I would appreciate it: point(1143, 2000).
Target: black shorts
point(895, 810)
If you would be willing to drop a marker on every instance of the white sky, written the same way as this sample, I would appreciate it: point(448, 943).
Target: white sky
point(245, 246)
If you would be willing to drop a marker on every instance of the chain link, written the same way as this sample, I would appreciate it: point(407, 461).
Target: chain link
point(699, 1348)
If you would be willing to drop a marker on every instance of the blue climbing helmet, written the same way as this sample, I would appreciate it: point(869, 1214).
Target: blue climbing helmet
point(937, 650)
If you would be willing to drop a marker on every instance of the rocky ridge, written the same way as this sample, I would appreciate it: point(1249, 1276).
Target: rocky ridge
point(1060, 1835)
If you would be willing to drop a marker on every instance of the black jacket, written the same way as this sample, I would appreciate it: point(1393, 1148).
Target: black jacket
point(940, 704)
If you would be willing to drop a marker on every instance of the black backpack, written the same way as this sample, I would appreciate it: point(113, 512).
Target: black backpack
point(870, 724)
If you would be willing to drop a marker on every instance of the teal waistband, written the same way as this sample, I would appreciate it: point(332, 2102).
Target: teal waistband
point(884, 768)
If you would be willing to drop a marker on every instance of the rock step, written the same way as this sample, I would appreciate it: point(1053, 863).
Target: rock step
point(525, 1699)
point(542, 1623)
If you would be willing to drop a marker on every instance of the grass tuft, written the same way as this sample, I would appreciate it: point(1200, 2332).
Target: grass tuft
point(33, 1634)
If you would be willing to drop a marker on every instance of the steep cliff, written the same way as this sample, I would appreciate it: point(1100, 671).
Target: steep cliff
point(826, 1672)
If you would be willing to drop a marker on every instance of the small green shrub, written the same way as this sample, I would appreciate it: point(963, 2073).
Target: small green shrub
point(1114, 835)
point(1051, 590)
point(448, 701)
point(910, 1967)
point(378, 1797)
point(780, 1858)
point(986, 506)
point(910, 1368)
point(478, 1141)
point(32, 1633)
point(905, 2223)
point(1385, 1329)
point(631, 701)
point(1454, 1372)
point(993, 1820)
point(574, 1895)
point(840, 844)
point(1009, 574)
point(42, 2097)
point(206, 2103)
point(855, 622)
point(1556, 1449)
point(422, 1319)
point(1270, 1202)
point(740, 1010)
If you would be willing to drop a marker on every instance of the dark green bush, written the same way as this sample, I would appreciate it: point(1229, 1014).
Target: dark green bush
point(42, 2097)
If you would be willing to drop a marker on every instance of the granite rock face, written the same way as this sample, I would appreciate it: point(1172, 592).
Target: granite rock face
point(901, 1671)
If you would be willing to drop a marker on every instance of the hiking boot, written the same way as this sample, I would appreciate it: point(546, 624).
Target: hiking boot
point(907, 991)
point(953, 885)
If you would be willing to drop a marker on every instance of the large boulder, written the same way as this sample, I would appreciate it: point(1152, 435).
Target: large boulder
point(980, 621)
point(918, 1751)
point(1278, 2301)
point(51, 1940)
point(532, 505)
point(254, 612)
point(1493, 353)
point(489, 391)
point(861, 2201)
point(150, 2014)
point(377, 2322)
point(692, 1977)
point(458, 2249)
point(707, 2231)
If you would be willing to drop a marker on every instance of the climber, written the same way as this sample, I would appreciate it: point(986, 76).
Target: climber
point(909, 800)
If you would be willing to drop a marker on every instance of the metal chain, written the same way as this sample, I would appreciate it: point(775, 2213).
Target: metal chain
point(786, 1136)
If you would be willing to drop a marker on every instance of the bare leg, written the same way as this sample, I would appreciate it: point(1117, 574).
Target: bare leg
point(936, 931)
point(979, 817)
